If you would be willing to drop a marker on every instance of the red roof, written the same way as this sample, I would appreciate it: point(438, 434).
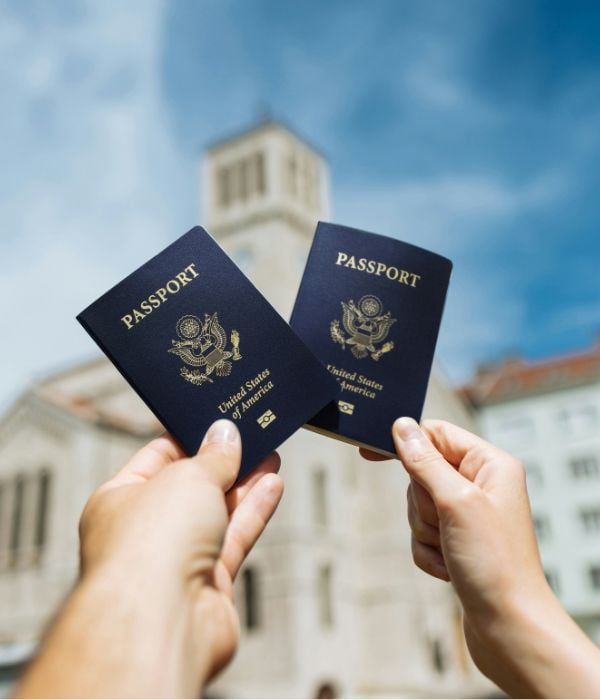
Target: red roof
point(516, 377)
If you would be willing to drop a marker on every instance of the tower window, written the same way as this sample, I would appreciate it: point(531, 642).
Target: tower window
point(292, 172)
point(259, 167)
point(243, 179)
point(325, 597)
point(320, 497)
point(224, 186)
point(250, 585)
point(43, 497)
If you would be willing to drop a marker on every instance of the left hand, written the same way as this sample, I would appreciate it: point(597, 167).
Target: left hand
point(176, 525)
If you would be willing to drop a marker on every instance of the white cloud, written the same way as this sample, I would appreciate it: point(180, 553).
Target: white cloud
point(458, 217)
point(446, 210)
point(87, 151)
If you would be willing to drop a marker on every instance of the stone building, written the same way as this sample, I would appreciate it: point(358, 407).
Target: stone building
point(329, 600)
point(548, 414)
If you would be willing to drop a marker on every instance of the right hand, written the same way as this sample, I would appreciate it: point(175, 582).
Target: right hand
point(470, 517)
point(471, 524)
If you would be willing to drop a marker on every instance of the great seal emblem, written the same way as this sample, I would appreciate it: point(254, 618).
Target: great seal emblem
point(365, 325)
point(202, 345)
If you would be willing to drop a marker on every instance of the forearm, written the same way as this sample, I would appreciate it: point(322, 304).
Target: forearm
point(537, 650)
point(119, 638)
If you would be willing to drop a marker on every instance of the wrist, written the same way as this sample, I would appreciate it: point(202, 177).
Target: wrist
point(538, 650)
point(146, 618)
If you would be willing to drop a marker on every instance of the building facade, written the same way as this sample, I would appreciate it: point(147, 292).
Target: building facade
point(548, 414)
point(329, 600)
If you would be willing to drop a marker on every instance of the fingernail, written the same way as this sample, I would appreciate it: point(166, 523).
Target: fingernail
point(408, 429)
point(410, 437)
point(222, 431)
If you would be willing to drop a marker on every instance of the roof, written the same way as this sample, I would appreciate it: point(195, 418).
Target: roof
point(95, 392)
point(265, 124)
point(517, 378)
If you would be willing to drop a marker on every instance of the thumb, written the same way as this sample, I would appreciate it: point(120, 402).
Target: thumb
point(220, 454)
point(423, 462)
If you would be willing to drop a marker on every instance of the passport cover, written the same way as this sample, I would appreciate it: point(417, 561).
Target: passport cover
point(197, 341)
point(369, 307)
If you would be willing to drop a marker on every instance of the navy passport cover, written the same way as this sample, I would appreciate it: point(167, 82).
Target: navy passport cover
point(197, 341)
point(369, 307)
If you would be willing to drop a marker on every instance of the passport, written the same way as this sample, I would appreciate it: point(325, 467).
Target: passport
point(197, 341)
point(369, 307)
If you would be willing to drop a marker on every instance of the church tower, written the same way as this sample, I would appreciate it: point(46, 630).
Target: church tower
point(263, 191)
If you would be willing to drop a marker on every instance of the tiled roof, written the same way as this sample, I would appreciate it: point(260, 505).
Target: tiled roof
point(97, 393)
point(515, 377)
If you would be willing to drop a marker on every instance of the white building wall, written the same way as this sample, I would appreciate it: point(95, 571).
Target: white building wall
point(547, 432)
point(386, 615)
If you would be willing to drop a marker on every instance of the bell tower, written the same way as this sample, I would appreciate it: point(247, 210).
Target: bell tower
point(263, 191)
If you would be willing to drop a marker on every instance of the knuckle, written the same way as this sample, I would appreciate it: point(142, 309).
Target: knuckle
point(466, 498)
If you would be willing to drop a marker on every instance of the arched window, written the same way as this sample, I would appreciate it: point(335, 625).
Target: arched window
point(438, 659)
point(325, 596)
point(251, 591)
point(16, 526)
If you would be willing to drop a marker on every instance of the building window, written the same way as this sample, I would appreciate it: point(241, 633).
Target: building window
point(250, 583)
point(224, 186)
point(590, 518)
point(16, 527)
point(326, 691)
point(325, 597)
point(516, 432)
point(578, 420)
point(586, 467)
point(552, 578)
point(41, 514)
point(542, 526)
point(535, 478)
point(244, 185)
point(259, 168)
point(594, 577)
point(438, 660)
point(320, 497)
point(3, 529)
point(292, 174)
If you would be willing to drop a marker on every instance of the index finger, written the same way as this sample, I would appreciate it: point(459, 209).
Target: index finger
point(450, 440)
point(148, 461)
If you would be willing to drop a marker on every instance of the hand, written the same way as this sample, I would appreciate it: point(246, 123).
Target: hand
point(161, 544)
point(471, 524)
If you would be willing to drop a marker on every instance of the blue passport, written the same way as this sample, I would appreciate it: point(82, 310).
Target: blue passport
point(369, 307)
point(197, 341)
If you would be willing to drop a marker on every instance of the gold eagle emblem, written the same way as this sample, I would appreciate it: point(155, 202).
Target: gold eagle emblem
point(365, 325)
point(202, 345)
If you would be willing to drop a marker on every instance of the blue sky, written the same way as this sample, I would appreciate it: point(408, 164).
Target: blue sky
point(470, 127)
